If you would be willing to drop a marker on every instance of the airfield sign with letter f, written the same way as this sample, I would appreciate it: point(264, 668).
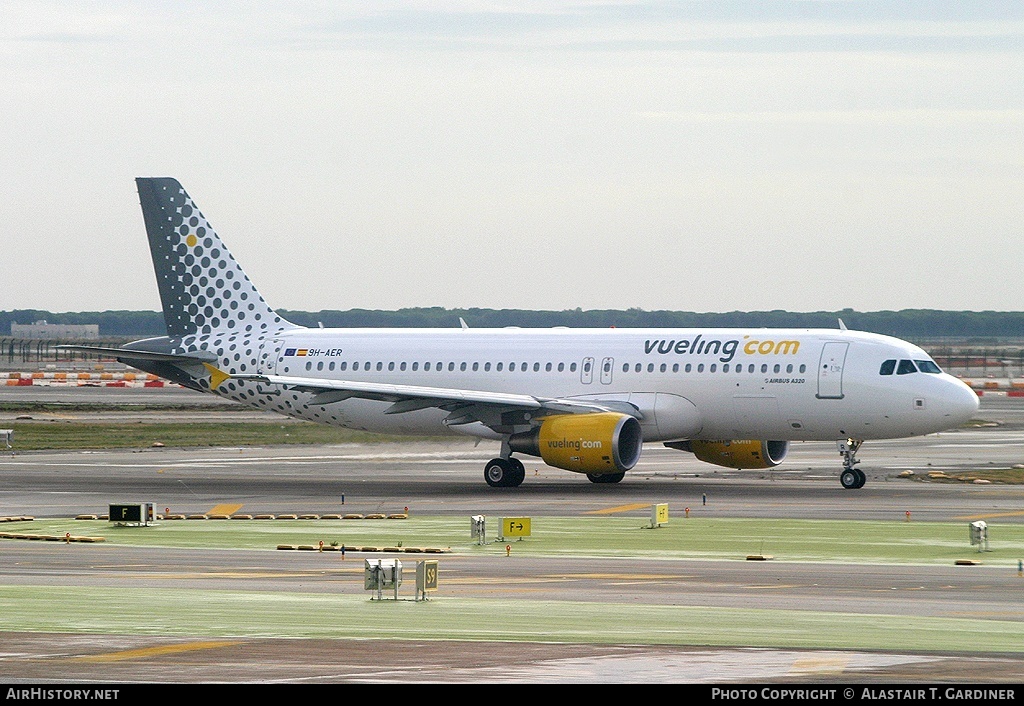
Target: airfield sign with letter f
point(515, 527)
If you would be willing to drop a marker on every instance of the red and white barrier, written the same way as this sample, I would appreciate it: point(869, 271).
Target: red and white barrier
point(72, 379)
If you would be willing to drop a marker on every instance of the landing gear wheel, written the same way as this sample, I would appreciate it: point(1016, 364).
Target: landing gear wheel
point(605, 477)
point(850, 479)
point(504, 472)
point(518, 474)
point(497, 472)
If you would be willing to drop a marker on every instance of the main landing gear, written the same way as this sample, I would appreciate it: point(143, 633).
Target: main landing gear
point(851, 478)
point(504, 472)
point(510, 473)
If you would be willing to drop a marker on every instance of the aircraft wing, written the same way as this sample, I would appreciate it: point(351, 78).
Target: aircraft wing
point(464, 406)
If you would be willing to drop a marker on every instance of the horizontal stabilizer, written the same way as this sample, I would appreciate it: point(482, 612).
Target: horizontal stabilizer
point(130, 354)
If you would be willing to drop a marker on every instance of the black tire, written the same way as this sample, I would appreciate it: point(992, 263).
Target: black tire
point(861, 478)
point(850, 477)
point(498, 472)
point(517, 473)
point(605, 477)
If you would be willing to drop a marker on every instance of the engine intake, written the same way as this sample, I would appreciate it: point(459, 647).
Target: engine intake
point(601, 442)
point(741, 454)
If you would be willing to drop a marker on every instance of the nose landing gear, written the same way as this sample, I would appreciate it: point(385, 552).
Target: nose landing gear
point(851, 478)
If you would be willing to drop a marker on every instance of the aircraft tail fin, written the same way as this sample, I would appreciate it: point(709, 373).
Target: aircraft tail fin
point(202, 288)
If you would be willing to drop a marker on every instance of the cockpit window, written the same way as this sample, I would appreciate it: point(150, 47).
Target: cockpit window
point(887, 367)
point(905, 367)
point(927, 366)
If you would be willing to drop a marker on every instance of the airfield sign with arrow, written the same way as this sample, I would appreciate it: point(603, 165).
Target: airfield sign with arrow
point(515, 527)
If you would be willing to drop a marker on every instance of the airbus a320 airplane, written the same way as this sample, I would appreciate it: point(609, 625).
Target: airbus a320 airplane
point(584, 400)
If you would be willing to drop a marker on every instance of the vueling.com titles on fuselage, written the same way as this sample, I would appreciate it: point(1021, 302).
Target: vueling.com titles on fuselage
point(726, 349)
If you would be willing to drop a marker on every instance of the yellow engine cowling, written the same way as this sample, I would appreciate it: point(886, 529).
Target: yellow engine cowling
point(741, 454)
point(601, 442)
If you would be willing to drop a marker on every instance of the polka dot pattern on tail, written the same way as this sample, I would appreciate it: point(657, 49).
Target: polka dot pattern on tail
point(202, 288)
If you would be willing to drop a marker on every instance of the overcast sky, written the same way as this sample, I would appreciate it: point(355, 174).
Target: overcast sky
point(703, 156)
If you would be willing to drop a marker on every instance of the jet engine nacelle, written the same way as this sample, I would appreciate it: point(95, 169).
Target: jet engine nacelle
point(741, 454)
point(600, 442)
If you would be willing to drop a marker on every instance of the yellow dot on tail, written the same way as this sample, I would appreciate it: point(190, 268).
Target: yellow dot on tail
point(191, 241)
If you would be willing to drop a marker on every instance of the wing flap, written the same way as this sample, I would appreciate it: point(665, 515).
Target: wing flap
point(396, 393)
point(471, 405)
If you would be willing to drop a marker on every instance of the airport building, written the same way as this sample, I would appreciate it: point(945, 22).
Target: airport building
point(63, 332)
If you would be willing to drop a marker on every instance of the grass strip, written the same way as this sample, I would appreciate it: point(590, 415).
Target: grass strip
point(350, 614)
point(69, 434)
point(826, 541)
point(340, 608)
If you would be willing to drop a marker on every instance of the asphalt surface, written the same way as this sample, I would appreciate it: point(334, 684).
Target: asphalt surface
point(446, 478)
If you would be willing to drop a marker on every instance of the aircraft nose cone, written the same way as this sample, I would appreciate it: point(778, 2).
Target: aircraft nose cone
point(962, 402)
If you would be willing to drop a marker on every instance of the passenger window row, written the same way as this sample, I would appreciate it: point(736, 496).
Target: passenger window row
point(549, 367)
point(689, 367)
point(463, 367)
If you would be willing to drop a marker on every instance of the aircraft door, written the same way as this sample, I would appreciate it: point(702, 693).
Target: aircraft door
point(270, 354)
point(607, 366)
point(830, 370)
point(587, 371)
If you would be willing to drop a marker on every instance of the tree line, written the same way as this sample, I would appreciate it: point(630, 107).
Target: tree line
point(911, 324)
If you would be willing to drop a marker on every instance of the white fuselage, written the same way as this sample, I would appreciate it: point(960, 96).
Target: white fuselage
point(584, 400)
point(795, 384)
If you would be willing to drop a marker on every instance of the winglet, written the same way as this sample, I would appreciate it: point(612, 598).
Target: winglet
point(217, 376)
point(842, 326)
point(463, 323)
